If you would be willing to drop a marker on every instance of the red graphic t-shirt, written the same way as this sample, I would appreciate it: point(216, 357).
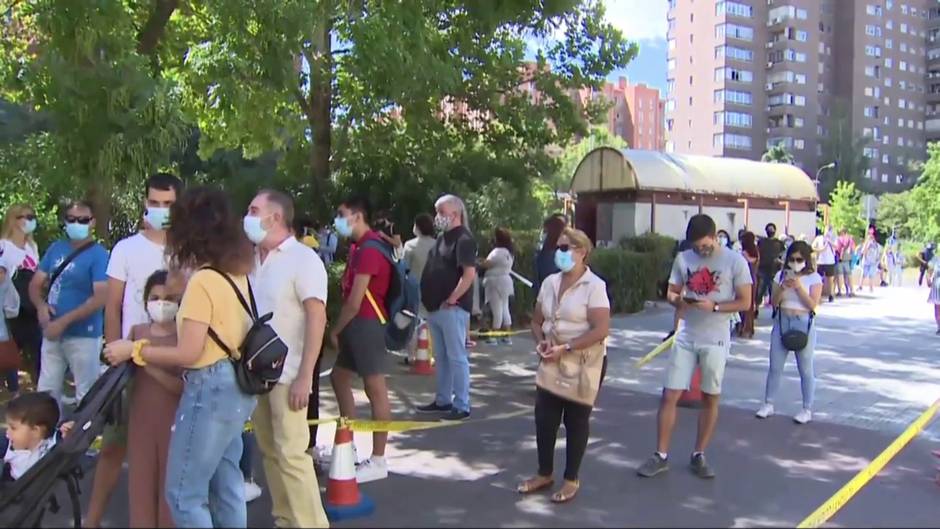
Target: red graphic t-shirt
point(371, 262)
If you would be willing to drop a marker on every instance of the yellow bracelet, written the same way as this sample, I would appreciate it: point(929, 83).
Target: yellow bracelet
point(136, 355)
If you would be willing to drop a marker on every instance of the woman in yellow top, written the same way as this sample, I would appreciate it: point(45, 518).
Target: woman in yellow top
point(204, 486)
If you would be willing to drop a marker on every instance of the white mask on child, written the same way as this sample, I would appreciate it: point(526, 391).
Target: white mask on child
point(162, 311)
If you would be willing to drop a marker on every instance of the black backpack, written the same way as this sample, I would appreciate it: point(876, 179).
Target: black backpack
point(402, 300)
point(263, 352)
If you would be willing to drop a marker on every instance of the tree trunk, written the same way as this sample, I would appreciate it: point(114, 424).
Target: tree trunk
point(156, 24)
point(320, 106)
point(99, 194)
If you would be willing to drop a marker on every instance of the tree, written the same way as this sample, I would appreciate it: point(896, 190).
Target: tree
point(599, 136)
point(841, 145)
point(845, 209)
point(777, 154)
point(925, 223)
point(897, 210)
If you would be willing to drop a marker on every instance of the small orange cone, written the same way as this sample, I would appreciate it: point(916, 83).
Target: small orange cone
point(343, 499)
point(422, 365)
point(692, 397)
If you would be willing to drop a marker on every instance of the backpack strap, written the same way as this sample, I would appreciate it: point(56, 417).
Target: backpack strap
point(252, 310)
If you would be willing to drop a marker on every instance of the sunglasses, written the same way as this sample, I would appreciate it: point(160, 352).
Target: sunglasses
point(566, 247)
point(28, 216)
point(80, 220)
point(797, 260)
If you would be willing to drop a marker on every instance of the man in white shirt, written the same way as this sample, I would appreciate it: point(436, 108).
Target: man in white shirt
point(290, 281)
point(133, 261)
point(824, 248)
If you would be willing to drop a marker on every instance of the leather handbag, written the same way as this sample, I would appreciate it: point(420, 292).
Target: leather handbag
point(9, 356)
point(575, 375)
point(794, 339)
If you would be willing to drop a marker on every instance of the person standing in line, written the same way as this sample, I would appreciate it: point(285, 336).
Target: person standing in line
point(416, 254)
point(572, 314)
point(71, 317)
point(498, 284)
point(328, 243)
point(752, 256)
point(545, 257)
point(445, 289)
point(20, 251)
point(708, 283)
point(770, 248)
point(797, 291)
point(933, 282)
point(924, 257)
point(724, 239)
point(894, 261)
point(290, 282)
point(825, 259)
point(871, 262)
point(204, 485)
point(133, 261)
point(359, 332)
point(845, 257)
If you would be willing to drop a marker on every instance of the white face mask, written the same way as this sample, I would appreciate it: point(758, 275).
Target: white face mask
point(797, 267)
point(162, 311)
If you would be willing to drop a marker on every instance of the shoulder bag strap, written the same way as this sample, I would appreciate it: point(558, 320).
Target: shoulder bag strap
point(68, 260)
point(252, 310)
point(377, 246)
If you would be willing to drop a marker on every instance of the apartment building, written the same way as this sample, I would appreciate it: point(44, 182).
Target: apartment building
point(635, 114)
point(746, 75)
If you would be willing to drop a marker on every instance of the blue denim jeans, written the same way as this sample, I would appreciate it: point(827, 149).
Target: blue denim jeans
point(204, 485)
point(449, 342)
point(246, 463)
point(804, 359)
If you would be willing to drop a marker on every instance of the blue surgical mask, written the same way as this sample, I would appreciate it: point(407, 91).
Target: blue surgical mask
point(29, 226)
point(564, 260)
point(342, 227)
point(253, 229)
point(158, 218)
point(76, 231)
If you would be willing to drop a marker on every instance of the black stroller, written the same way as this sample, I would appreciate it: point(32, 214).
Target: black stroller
point(24, 502)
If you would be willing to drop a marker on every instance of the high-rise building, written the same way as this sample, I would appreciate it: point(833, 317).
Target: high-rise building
point(746, 75)
point(635, 114)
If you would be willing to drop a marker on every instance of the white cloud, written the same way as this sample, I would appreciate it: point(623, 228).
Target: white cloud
point(640, 20)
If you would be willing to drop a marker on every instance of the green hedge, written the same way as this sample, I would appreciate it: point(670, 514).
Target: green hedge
point(631, 277)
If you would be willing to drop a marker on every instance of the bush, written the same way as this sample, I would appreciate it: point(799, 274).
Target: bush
point(631, 277)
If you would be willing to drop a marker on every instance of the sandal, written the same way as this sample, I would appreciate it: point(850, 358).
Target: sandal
point(535, 484)
point(562, 497)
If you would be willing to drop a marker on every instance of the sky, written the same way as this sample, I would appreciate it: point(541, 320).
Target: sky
point(643, 22)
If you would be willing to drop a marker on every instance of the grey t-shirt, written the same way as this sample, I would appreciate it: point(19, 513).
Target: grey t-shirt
point(714, 278)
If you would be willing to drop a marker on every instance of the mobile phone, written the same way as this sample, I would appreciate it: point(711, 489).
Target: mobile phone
point(690, 301)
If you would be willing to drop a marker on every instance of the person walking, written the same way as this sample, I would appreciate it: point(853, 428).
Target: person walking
point(133, 262)
point(845, 258)
point(707, 284)
point(924, 257)
point(71, 317)
point(290, 282)
point(445, 289)
point(206, 442)
point(797, 291)
point(824, 251)
point(752, 256)
point(497, 283)
point(18, 248)
point(359, 332)
point(571, 318)
point(872, 254)
point(769, 249)
point(933, 282)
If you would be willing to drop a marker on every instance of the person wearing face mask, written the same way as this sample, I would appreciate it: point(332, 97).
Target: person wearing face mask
point(571, 317)
point(290, 282)
point(707, 285)
point(133, 261)
point(19, 250)
point(445, 290)
point(724, 239)
point(797, 291)
point(358, 334)
point(154, 398)
point(71, 316)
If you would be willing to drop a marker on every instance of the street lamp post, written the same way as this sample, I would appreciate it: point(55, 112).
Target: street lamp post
point(831, 165)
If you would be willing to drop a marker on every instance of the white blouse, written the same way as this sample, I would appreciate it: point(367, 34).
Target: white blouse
point(567, 317)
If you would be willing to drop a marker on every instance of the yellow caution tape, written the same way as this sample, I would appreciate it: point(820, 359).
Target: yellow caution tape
point(479, 334)
point(249, 427)
point(397, 426)
point(652, 354)
point(839, 499)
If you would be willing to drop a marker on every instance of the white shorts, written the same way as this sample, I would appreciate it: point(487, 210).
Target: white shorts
point(686, 355)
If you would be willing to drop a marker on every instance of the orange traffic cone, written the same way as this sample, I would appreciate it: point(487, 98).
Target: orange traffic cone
point(422, 364)
point(343, 499)
point(692, 397)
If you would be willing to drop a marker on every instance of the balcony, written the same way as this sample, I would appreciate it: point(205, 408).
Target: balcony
point(779, 21)
point(932, 125)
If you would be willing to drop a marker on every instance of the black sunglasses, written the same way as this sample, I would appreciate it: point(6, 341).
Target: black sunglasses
point(566, 247)
point(28, 216)
point(80, 220)
point(797, 260)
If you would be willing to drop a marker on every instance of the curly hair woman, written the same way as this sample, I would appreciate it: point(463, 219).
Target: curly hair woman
point(204, 486)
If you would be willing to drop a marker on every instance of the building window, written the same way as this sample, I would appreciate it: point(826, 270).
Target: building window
point(732, 141)
point(802, 36)
point(903, 28)
point(889, 43)
point(873, 51)
point(903, 46)
point(733, 8)
point(872, 30)
point(734, 31)
point(739, 97)
point(734, 74)
point(888, 62)
point(902, 65)
point(734, 52)
point(873, 10)
point(733, 119)
point(799, 144)
point(670, 64)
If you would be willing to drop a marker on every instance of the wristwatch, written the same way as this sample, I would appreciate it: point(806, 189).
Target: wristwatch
point(715, 308)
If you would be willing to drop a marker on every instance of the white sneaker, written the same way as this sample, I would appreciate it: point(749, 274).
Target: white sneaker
point(324, 454)
point(371, 470)
point(765, 411)
point(252, 491)
point(803, 417)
